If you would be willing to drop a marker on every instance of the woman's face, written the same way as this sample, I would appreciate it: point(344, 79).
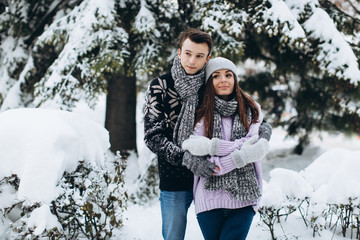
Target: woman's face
point(224, 82)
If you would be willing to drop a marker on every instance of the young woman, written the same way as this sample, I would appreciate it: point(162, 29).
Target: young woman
point(230, 133)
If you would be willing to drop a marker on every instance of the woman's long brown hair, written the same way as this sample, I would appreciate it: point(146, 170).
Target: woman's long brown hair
point(207, 106)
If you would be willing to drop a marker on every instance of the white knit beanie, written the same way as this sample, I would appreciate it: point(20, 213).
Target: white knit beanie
point(218, 63)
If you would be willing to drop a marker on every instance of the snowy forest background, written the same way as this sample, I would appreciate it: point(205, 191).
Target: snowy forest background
point(72, 78)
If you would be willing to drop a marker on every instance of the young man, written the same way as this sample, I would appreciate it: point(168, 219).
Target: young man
point(171, 101)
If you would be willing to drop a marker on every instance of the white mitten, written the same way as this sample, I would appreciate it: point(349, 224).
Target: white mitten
point(201, 146)
point(250, 141)
point(250, 152)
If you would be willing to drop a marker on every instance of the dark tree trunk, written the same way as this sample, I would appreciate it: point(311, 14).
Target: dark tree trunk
point(121, 113)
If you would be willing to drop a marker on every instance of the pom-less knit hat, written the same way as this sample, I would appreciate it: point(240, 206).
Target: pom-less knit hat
point(218, 63)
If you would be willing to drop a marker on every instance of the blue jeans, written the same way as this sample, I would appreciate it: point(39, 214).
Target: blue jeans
point(226, 223)
point(174, 208)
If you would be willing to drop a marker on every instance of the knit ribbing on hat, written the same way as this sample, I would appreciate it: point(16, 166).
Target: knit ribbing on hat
point(218, 63)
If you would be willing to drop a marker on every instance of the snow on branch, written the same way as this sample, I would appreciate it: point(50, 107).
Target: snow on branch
point(85, 40)
point(325, 194)
point(278, 19)
point(144, 20)
point(59, 177)
point(335, 55)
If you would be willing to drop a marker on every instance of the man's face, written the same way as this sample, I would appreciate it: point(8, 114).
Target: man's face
point(193, 56)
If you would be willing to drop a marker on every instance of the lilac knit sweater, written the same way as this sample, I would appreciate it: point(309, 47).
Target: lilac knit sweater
point(206, 200)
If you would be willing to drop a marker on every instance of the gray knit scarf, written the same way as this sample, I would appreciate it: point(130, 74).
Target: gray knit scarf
point(187, 86)
point(240, 183)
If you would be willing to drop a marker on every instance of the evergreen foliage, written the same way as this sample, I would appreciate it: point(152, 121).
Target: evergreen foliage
point(305, 53)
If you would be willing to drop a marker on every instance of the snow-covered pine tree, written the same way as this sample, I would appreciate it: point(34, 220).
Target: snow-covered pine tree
point(63, 52)
point(304, 54)
point(20, 21)
point(54, 53)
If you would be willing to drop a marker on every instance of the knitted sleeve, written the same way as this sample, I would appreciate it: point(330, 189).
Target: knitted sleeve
point(155, 125)
point(226, 164)
point(265, 131)
point(225, 147)
point(223, 160)
point(262, 128)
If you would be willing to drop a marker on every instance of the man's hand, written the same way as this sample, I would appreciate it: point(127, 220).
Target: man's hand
point(198, 165)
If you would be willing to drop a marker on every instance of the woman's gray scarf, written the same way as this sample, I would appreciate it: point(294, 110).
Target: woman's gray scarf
point(187, 86)
point(241, 183)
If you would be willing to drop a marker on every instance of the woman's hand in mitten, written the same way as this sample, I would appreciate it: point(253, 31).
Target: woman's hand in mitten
point(201, 146)
point(250, 152)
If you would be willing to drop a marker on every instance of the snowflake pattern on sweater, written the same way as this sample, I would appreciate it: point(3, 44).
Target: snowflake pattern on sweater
point(162, 107)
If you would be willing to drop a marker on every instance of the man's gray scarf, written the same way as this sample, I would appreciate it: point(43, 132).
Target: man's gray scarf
point(241, 183)
point(187, 86)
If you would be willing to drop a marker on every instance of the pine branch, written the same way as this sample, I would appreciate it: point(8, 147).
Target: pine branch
point(40, 27)
point(329, 3)
point(353, 6)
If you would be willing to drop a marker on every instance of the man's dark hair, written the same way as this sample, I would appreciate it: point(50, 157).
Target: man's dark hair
point(196, 36)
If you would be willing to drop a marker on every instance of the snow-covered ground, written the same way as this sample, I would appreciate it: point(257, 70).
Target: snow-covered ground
point(144, 221)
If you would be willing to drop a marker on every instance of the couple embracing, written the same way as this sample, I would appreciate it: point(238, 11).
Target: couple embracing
point(209, 137)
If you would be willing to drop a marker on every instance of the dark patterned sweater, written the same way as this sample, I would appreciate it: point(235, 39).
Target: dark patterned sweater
point(162, 108)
